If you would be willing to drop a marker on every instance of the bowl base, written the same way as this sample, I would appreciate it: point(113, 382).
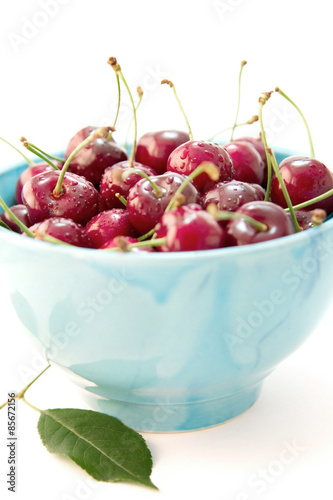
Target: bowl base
point(177, 417)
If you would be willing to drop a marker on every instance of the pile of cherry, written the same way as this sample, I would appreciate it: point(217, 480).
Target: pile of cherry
point(151, 204)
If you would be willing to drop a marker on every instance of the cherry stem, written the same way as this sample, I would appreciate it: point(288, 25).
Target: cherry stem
point(253, 119)
point(117, 68)
point(128, 171)
point(226, 215)
point(56, 158)
point(147, 235)
point(312, 153)
point(30, 162)
point(121, 198)
point(119, 98)
point(148, 243)
point(140, 94)
point(4, 225)
point(208, 167)
point(307, 203)
point(171, 85)
point(98, 133)
point(15, 219)
point(262, 101)
point(238, 100)
point(21, 394)
point(30, 147)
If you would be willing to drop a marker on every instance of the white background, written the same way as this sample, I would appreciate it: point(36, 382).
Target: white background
point(54, 81)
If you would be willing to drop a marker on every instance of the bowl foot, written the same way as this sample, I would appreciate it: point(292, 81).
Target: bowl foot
point(168, 417)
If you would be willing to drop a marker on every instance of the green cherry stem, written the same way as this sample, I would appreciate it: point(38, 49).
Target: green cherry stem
point(128, 171)
point(307, 203)
point(56, 158)
point(30, 162)
point(243, 63)
point(140, 94)
point(312, 153)
point(121, 198)
point(253, 119)
point(226, 215)
point(30, 147)
point(262, 101)
point(148, 243)
point(171, 85)
point(98, 133)
point(117, 68)
point(21, 394)
point(119, 98)
point(15, 219)
point(4, 225)
point(208, 167)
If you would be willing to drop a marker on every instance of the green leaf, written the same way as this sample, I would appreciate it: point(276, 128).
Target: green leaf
point(102, 445)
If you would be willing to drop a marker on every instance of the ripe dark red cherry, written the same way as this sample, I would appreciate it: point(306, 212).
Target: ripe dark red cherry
point(247, 162)
point(21, 213)
point(189, 228)
point(304, 178)
point(154, 148)
point(146, 207)
point(257, 144)
point(107, 225)
point(92, 160)
point(63, 229)
point(277, 221)
point(112, 183)
point(26, 175)
point(187, 157)
point(232, 195)
point(79, 200)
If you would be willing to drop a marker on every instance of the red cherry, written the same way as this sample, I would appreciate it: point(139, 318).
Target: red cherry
point(63, 229)
point(21, 213)
point(92, 160)
point(304, 178)
point(277, 221)
point(107, 225)
point(112, 183)
point(247, 162)
point(154, 148)
point(146, 207)
point(26, 175)
point(189, 228)
point(257, 144)
point(187, 157)
point(79, 200)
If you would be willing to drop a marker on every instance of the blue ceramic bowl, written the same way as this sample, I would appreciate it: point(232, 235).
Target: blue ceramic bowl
point(169, 342)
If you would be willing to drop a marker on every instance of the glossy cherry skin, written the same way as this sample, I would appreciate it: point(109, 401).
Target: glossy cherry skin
point(146, 208)
point(305, 178)
point(21, 213)
point(113, 183)
point(92, 160)
point(247, 162)
point(107, 225)
point(187, 157)
point(232, 195)
point(122, 242)
point(26, 175)
point(79, 201)
point(154, 148)
point(241, 232)
point(189, 228)
point(63, 229)
point(257, 143)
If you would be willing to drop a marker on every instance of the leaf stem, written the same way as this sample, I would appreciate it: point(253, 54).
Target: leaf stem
point(20, 395)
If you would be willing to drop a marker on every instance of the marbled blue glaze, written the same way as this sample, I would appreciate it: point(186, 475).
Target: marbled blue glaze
point(169, 342)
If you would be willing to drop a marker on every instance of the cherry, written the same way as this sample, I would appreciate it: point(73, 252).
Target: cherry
point(232, 195)
point(27, 173)
point(63, 229)
point(148, 199)
point(123, 242)
point(21, 213)
point(78, 201)
point(189, 228)
point(154, 148)
point(92, 160)
point(113, 184)
point(310, 218)
point(186, 158)
point(247, 162)
point(304, 178)
point(276, 223)
point(107, 225)
point(257, 143)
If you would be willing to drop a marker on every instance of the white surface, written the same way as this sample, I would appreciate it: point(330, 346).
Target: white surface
point(56, 81)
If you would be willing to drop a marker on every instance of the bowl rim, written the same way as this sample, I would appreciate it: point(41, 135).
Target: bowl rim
point(96, 254)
